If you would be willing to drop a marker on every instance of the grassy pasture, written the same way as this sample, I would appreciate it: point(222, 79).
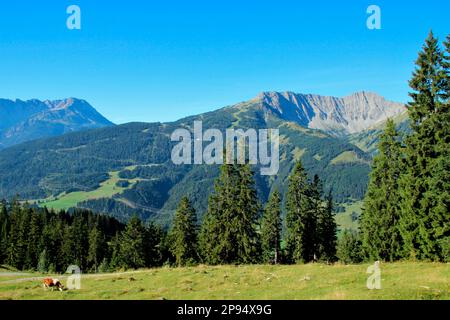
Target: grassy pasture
point(403, 280)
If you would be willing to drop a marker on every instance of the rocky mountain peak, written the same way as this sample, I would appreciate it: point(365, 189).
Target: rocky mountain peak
point(339, 116)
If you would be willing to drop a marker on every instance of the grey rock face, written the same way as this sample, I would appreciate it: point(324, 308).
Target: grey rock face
point(338, 116)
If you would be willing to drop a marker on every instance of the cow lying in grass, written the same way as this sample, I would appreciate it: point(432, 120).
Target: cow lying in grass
point(50, 283)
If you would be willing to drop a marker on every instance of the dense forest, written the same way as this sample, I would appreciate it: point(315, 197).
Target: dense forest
point(235, 231)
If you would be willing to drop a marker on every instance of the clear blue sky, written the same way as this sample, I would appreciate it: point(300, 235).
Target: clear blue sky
point(140, 60)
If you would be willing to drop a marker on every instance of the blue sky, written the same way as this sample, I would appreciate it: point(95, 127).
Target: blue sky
point(162, 60)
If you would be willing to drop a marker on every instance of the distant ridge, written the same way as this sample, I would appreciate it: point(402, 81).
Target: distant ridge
point(22, 121)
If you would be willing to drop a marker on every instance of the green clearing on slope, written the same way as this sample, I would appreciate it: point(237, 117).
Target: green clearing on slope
point(347, 157)
point(107, 189)
point(348, 219)
point(403, 280)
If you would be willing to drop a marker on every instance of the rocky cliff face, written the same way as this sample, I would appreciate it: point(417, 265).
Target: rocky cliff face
point(338, 116)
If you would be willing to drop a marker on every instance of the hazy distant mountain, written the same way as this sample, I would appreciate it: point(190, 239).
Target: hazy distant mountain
point(337, 116)
point(22, 121)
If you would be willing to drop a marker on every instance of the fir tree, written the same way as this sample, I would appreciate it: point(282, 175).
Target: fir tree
point(271, 229)
point(132, 245)
point(16, 248)
point(183, 234)
point(97, 247)
point(228, 233)
point(34, 247)
point(215, 240)
point(327, 229)
point(381, 213)
point(154, 237)
point(425, 200)
point(245, 220)
point(298, 210)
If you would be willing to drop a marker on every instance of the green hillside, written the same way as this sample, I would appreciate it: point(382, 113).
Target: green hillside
point(82, 169)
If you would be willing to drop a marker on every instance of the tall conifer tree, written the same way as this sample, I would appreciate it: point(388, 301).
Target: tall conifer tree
point(183, 235)
point(425, 200)
point(327, 229)
point(271, 229)
point(381, 212)
point(298, 207)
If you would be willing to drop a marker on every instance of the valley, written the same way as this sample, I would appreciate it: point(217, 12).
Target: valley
point(82, 169)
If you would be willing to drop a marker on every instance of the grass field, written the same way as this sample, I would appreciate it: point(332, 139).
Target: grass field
point(406, 280)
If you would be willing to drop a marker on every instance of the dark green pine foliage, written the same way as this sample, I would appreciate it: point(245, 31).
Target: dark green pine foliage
point(4, 227)
point(312, 236)
point(298, 211)
point(228, 234)
point(114, 248)
point(441, 168)
point(327, 230)
point(271, 229)
point(183, 235)
point(17, 244)
point(97, 248)
point(34, 246)
point(424, 186)
point(154, 237)
point(245, 221)
point(381, 212)
point(132, 245)
point(213, 240)
point(349, 248)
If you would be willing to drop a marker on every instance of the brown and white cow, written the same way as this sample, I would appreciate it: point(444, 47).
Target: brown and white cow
point(52, 284)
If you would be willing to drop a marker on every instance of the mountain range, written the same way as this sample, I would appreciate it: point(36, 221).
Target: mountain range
point(127, 169)
point(22, 121)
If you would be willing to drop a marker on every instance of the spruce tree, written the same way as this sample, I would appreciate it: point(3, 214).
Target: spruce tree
point(312, 241)
point(154, 240)
point(183, 234)
point(228, 233)
point(271, 229)
point(298, 211)
point(67, 252)
point(245, 220)
point(381, 212)
point(425, 200)
point(215, 239)
point(34, 247)
point(81, 238)
point(132, 245)
point(327, 230)
point(16, 243)
point(97, 248)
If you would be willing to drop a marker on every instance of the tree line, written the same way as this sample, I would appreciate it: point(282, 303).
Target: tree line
point(235, 230)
